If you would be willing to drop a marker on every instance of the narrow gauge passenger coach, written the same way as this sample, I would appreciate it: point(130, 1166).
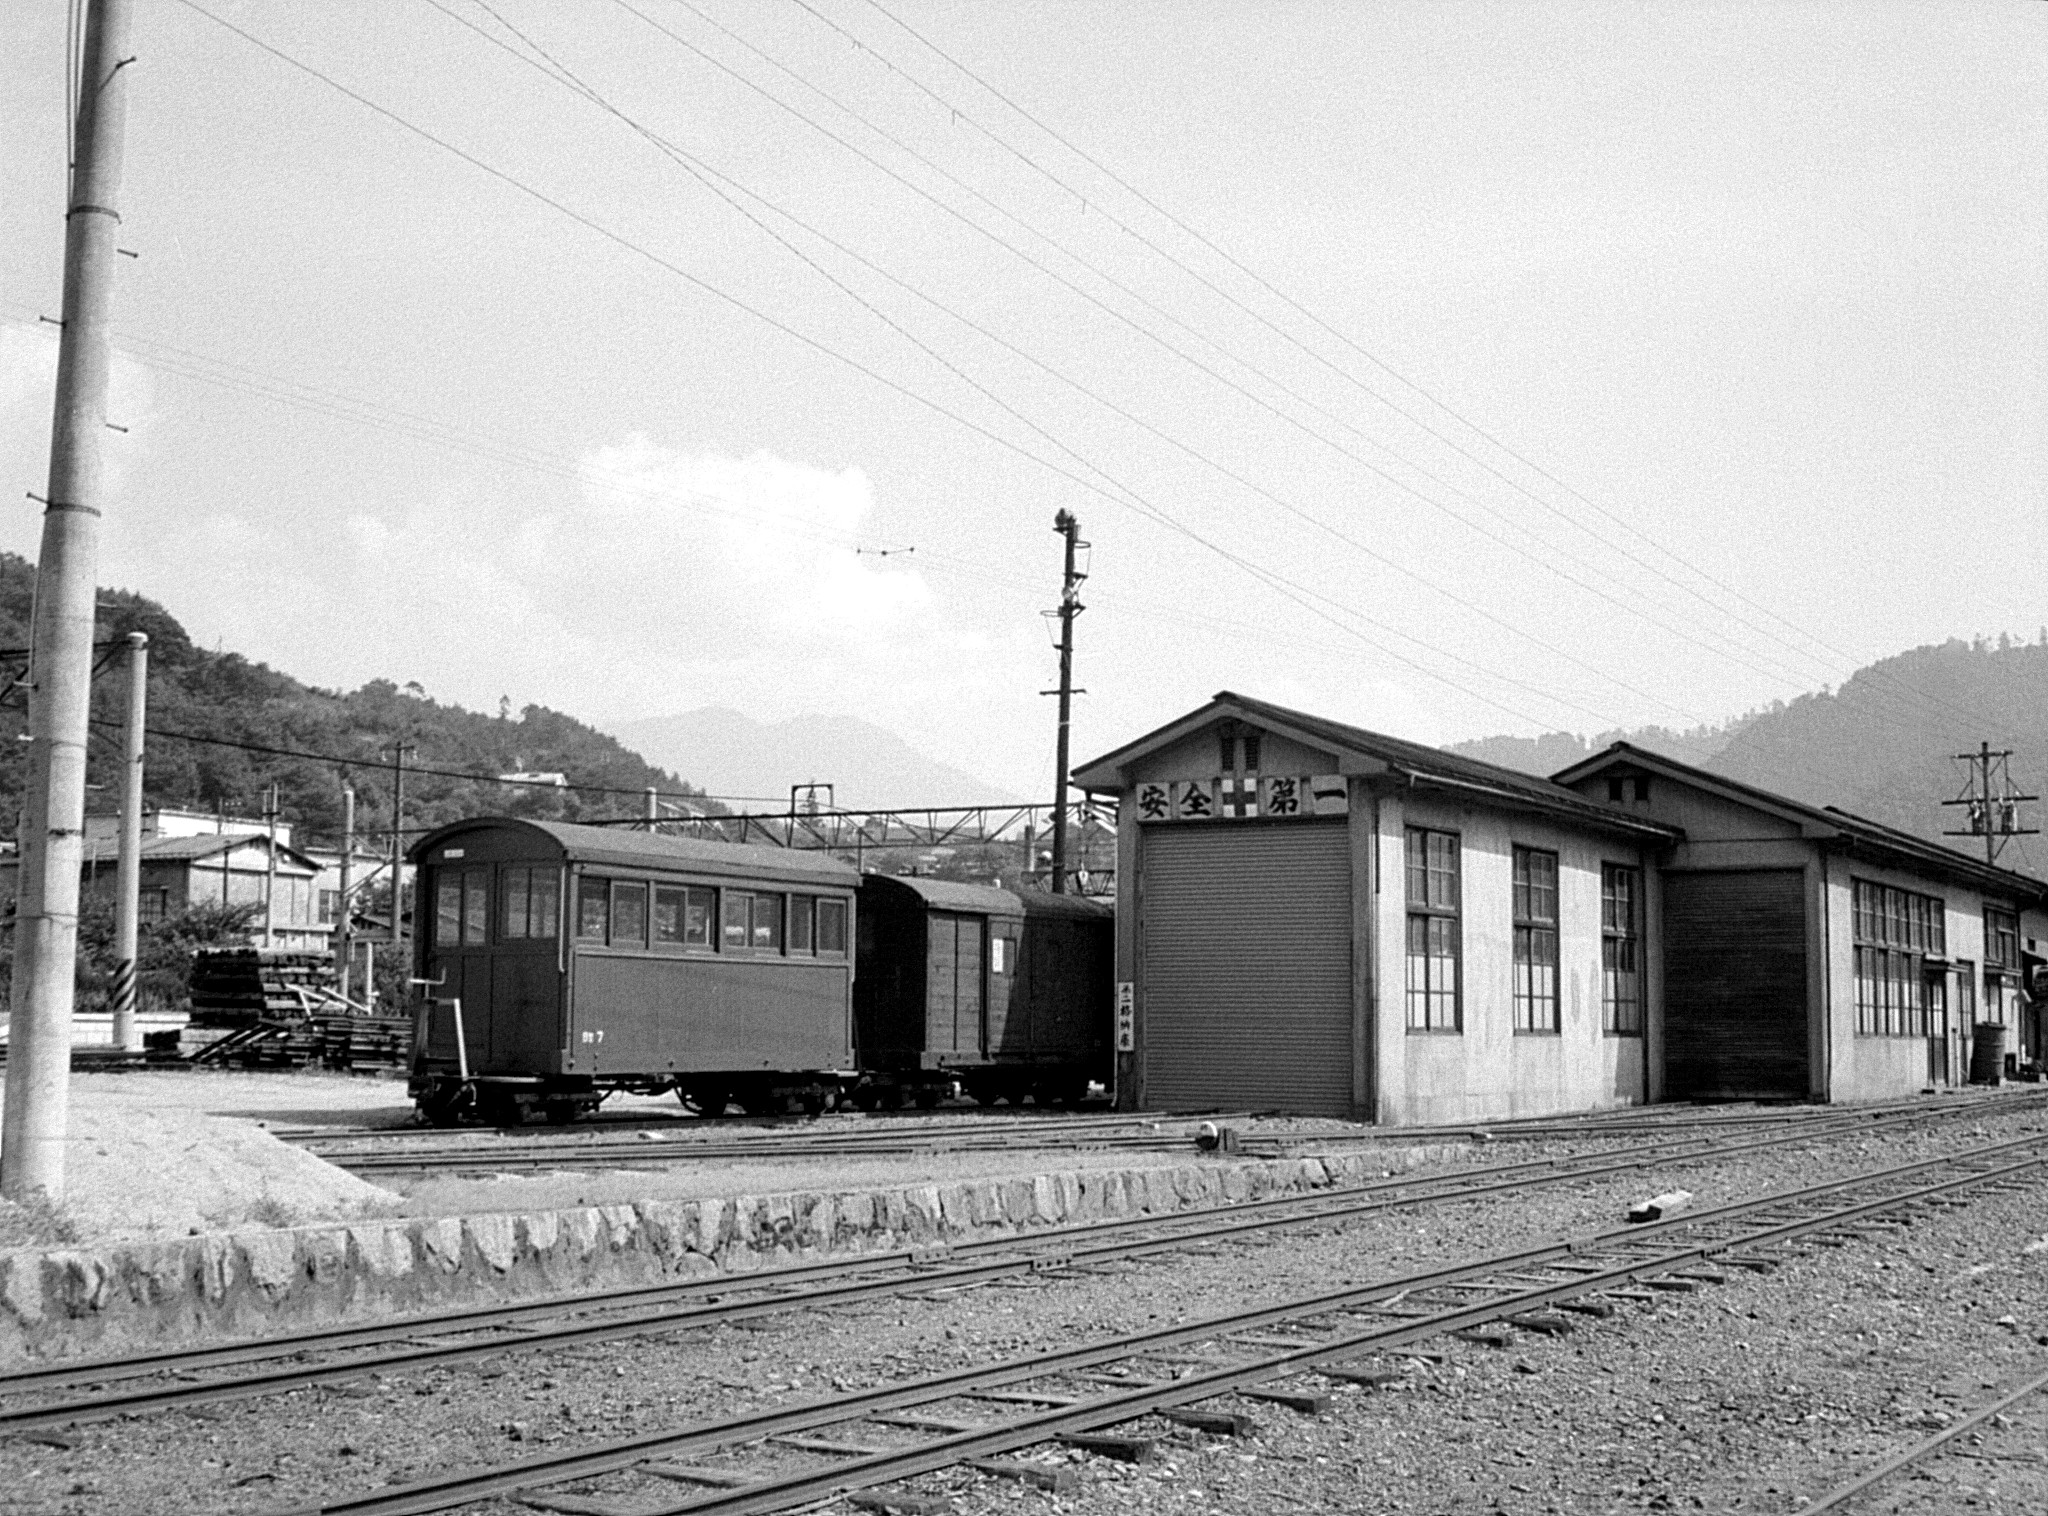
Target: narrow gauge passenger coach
point(563, 962)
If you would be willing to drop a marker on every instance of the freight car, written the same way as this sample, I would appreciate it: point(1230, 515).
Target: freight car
point(1005, 994)
point(560, 963)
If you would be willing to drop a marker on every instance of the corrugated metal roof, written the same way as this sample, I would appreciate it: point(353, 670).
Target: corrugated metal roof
point(1413, 760)
point(619, 848)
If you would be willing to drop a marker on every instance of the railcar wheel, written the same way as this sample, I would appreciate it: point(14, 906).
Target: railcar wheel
point(928, 1099)
point(706, 1102)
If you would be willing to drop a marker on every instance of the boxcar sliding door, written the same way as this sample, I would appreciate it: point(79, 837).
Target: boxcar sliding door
point(956, 1006)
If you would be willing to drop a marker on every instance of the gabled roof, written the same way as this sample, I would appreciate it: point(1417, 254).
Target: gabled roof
point(1359, 751)
point(206, 845)
point(1824, 824)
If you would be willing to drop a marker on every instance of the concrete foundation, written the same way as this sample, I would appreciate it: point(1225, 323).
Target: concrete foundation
point(79, 1303)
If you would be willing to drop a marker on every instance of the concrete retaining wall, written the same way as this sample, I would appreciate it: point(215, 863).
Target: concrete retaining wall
point(72, 1303)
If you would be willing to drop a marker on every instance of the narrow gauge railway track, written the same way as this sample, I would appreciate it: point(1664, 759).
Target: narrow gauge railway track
point(653, 1150)
point(1844, 1496)
point(892, 1432)
point(136, 1384)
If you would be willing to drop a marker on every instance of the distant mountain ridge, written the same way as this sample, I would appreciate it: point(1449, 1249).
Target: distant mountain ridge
point(731, 754)
point(1883, 745)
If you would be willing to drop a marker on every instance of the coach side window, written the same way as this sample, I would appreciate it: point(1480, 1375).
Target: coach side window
point(593, 908)
point(528, 899)
point(832, 928)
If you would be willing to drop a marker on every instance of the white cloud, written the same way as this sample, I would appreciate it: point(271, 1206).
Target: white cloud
point(676, 580)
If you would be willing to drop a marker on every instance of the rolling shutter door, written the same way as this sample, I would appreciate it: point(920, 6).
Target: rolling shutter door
point(1246, 941)
point(1735, 1001)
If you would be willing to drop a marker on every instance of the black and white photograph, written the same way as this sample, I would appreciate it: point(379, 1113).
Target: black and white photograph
point(1058, 758)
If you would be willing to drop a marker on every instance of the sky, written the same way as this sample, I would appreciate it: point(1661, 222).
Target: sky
point(1452, 369)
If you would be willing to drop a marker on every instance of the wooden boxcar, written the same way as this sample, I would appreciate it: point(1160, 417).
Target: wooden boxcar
point(567, 961)
point(1006, 993)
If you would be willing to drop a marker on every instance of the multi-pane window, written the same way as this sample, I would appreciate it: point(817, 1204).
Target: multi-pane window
point(1433, 936)
point(593, 908)
point(752, 921)
point(2001, 939)
point(1535, 940)
point(1894, 930)
point(529, 900)
point(832, 928)
point(682, 917)
point(2001, 962)
point(461, 907)
point(629, 914)
point(1621, 949)
point(817, 926)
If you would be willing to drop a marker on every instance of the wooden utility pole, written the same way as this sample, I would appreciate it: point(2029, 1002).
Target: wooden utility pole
point(398, 752)
point(61, 633)
point(270, 867)
point(128, 878)
point(1070, 606)
point(345, 936)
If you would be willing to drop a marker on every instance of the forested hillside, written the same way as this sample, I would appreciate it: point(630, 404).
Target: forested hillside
point(223, 696)
point(1556, 750)
point(1882, 745)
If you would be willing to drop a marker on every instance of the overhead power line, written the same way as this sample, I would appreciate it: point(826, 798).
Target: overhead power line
point(1280, 583)
point(1348, 341)
point(552, 67)
point(1728, 649)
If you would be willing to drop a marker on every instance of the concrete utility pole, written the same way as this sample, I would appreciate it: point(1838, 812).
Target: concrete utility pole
point(60, 671)
point(345, 938)
point(398, 752)
point(128, 878)
point(1070, 607)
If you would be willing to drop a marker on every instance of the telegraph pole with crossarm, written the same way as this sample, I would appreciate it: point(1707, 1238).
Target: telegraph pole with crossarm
point(1069, 527)
point(1989, 801)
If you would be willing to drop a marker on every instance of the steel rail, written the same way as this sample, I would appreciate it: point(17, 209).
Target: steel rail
point(921, 1269)
point(772, 1129)
point(1021, 1430)
point(1054, 1134)
point(1842, 1494)
point(915, 1270)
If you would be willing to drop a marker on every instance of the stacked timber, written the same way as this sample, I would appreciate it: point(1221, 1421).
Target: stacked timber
point(280, 1010)
point(234, 987)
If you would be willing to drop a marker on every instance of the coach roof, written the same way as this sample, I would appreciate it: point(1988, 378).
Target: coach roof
point(616, 847)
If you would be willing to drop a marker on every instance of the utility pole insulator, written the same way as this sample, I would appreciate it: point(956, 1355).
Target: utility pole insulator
point(52, 835)
point(1991, 806)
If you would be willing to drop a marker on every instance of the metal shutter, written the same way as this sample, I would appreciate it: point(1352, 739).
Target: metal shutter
point(1735, 1000)
point(1246, 941)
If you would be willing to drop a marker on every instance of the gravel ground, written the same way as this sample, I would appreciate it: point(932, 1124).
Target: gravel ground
point(1742, 1398)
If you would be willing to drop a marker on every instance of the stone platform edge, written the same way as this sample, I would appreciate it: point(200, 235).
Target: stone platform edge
point(82, 1303)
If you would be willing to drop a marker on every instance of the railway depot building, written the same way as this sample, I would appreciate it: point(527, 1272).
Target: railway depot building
point(1811, 954)
point(1321, 919)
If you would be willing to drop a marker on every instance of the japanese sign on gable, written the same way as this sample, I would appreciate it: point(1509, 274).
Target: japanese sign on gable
point(1230, 798)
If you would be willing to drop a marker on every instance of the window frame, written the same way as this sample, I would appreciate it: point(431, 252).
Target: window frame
point(1538, 1011)
point(1439, 923)
point(1614, 938)
point(1894, 932)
